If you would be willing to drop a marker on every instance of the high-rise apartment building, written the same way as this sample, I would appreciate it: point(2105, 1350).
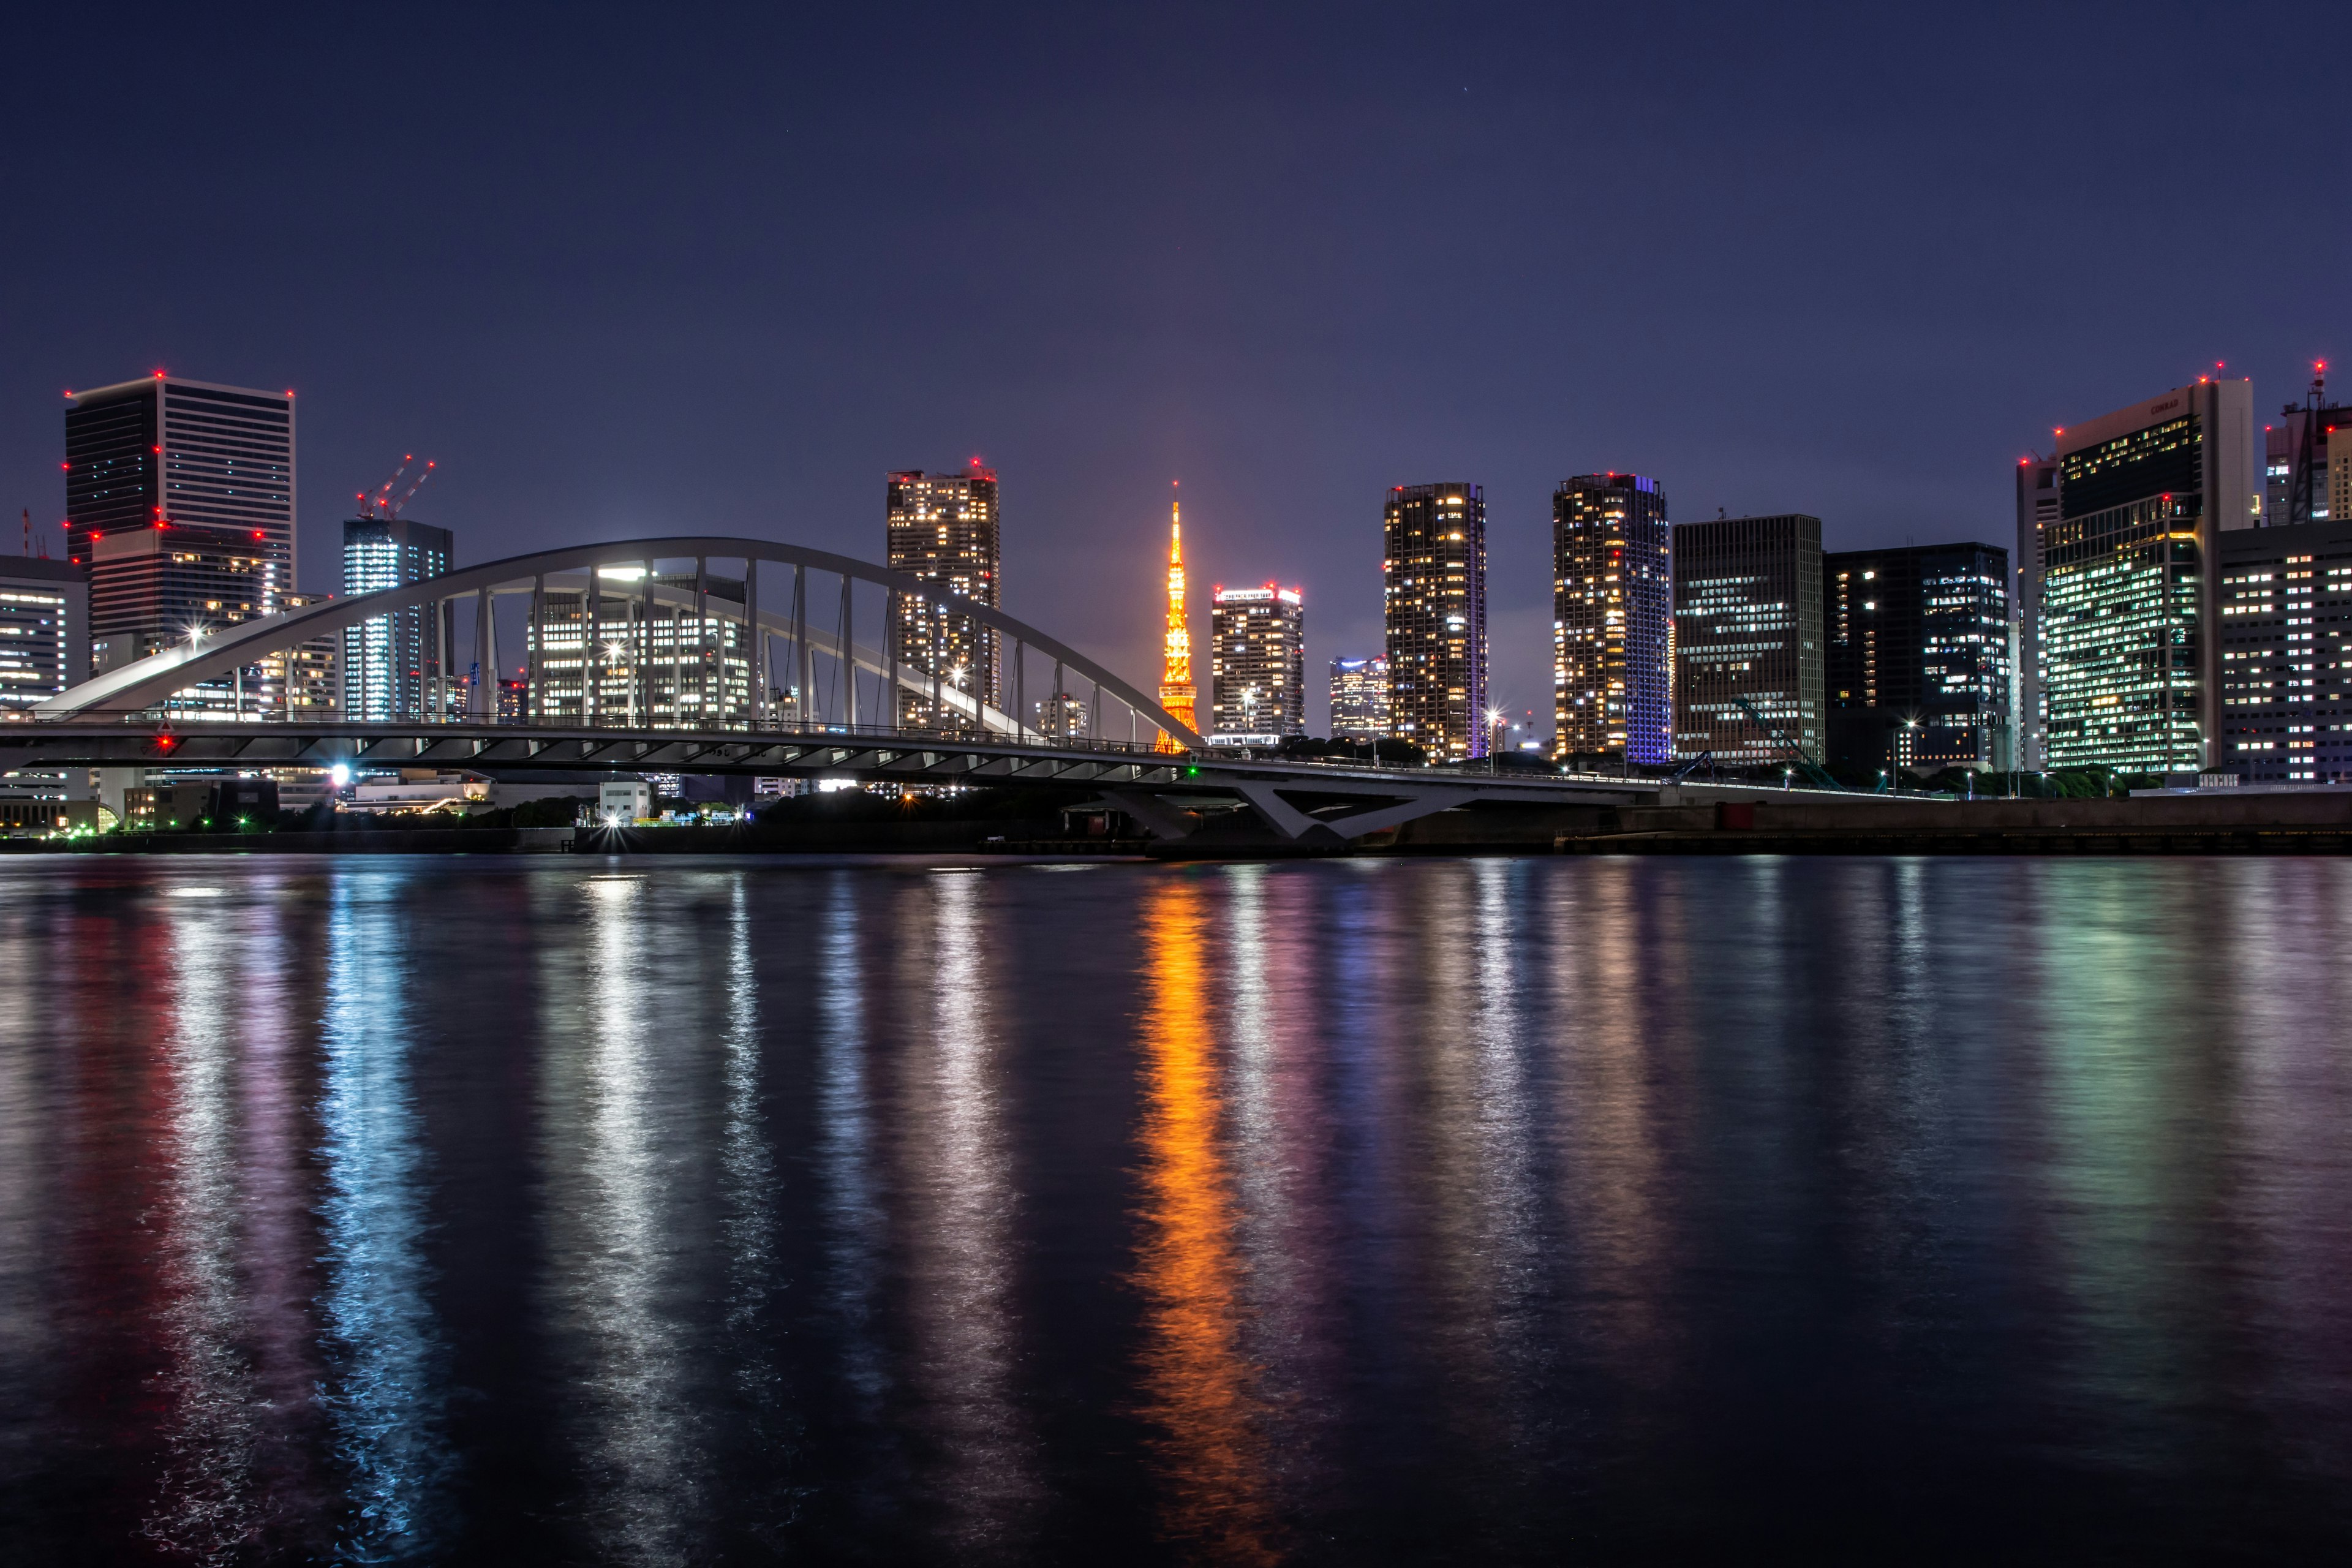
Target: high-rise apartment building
point(2037, 513)
point(1434, 584)
point(180, 498)
point(1257, 664)
point(44, 630)
point(2285, 675)
point(1747, 637)
point(2127, 602)
point(942, 528)
point(1612, 618)
point(1064, 716)
point(392, 664)
point(1918, 665)
point(1360, 699)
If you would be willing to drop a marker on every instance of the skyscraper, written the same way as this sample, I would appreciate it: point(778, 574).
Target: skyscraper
point(1433, 576)
point(942, 528)
point(2037, 513)
point(1612, 618)
point(2127, 602)
point(1257, 663)
point(44, 629)
point(390, 662)
point(1360, 699)
point(180, 498)
point(2285, 683)
point(1747, 630)
point(1918, 666)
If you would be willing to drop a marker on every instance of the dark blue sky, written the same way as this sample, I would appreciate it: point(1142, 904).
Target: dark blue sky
point(640, 271)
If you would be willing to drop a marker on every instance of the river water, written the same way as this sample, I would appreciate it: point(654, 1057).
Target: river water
point(495, 1210)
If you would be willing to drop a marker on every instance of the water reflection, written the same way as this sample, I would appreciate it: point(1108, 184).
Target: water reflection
point(614, 1176)
point(961, 1209)
point(853, 1230)
point(1340, 1212)
point(1196, 1386)
point(385, 1393)
point(233, 1393)
point(1278, 1134)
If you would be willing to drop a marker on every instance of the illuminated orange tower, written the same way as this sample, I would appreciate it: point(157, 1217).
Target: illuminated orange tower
point(1176, 691)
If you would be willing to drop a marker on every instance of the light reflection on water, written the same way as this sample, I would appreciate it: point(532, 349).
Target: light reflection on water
point(1358, 1212)
point(388, 1388)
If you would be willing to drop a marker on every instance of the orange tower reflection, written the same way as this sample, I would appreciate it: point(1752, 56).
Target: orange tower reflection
point(1196, 1384)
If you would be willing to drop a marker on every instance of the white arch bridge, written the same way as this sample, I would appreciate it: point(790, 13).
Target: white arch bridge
point(663, 655)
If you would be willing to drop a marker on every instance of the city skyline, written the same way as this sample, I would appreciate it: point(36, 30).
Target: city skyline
point(1165, 294)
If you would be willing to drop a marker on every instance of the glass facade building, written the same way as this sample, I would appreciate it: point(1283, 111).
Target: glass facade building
point(1360, 699)
point(1918, 665)
point(1257, 664)
point(1612, 618)
point(2285, 674)
point(2122, 639)
point(942, 528)
point(390, 663)
point(1433, 587)
point(1747, 629)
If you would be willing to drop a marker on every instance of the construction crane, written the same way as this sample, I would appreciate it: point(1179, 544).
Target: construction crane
point(382, 505)
point(1815, 774)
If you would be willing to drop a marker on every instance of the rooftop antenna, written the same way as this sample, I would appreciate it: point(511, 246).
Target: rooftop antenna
point(28, 531)
point(2299, 498)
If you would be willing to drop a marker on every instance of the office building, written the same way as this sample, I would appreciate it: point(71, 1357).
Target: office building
point(44, 630)
point(1748, 638)
point(1612, 618)
point(942, 528)
point(305, 680)
point(2285, 675)
point(1257, 664)
point(2037, 513)
point(209, 473)
point(392, 662)
point(1434, 585)
point(634, 660)
point(1918, 659)
point(1360, 699)
point(2127, 604)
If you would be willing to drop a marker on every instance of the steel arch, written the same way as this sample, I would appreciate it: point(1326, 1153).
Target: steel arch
point(144, 684)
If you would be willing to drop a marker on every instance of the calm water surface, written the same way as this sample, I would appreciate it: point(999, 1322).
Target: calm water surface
point(685, 1211)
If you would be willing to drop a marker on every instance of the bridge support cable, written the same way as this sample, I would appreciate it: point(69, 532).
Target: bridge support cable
point(755, 644)
point(848, 640)
point(801, 667)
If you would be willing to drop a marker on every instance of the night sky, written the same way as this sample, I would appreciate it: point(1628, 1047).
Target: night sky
point(658, 269)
